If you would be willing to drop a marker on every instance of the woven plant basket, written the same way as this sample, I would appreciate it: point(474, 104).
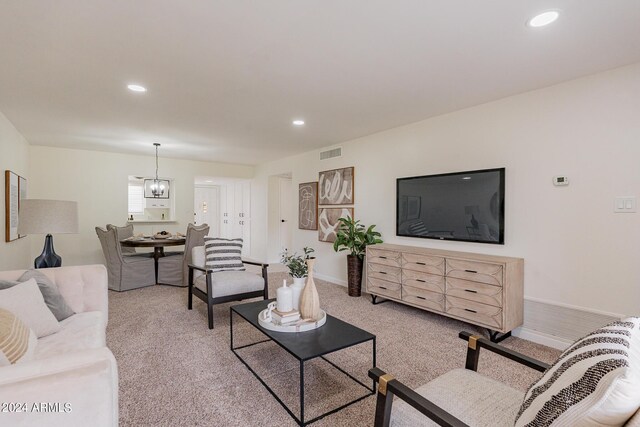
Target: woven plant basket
point(354, 275)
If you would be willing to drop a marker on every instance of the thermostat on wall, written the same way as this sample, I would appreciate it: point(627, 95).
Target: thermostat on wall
point(560, 180)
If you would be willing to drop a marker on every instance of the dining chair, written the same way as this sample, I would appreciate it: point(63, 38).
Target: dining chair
point(173, 268)
point(124, 272)
point(125, 233)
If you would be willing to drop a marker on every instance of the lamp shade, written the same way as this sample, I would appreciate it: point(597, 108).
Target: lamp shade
point(38, 216)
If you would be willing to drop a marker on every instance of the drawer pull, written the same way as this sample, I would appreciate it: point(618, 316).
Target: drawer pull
point(382, 272)
point(421, 281)
point(421, 298)
point(470, 290)
point(471, 271)
point(382, 257)
point(421, 263)
point(382, 287)
point(469, 310)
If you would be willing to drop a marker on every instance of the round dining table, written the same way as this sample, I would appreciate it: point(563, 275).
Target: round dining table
point(158, 246)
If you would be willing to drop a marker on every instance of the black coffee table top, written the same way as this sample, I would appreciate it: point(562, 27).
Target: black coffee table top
point(334, 335)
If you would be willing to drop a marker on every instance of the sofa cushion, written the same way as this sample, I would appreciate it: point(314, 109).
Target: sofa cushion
point(596, 381)
point(78, 332)
point(472, 398)
point(223, 254)
point(25, 301)
point(226, 283)
point(17, 341)
point(51, 294)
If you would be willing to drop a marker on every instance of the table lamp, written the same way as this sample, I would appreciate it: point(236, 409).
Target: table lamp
point(39, 216)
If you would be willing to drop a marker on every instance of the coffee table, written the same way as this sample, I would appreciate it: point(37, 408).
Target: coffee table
point(335, 335)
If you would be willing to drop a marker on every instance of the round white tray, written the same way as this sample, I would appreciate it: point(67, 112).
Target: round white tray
point(299, 326)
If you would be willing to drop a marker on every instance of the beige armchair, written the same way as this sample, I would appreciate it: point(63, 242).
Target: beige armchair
point(125, 273)
point(173, 269)
point(596, 381)
point(224, 286)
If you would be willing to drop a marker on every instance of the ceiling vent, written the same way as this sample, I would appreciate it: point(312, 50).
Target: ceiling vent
point(330, 154)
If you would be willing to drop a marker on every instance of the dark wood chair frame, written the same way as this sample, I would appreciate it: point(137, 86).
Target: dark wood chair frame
point(206, 297)
point(388, 386)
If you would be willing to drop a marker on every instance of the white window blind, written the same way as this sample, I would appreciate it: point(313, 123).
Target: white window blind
point(136, 198)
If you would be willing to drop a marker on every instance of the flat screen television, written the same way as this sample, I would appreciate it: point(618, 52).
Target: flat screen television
point(463, 206)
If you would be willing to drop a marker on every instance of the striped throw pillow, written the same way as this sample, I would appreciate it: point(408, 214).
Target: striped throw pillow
point(17, 341)
point(223, 254)
point(596, 381)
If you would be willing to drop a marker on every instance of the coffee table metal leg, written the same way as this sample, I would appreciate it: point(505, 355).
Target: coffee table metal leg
point(231, 331)
point(374, 360)
point(302, 393)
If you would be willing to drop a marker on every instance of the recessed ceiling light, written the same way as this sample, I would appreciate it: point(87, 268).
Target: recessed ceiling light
point(136, 88)
point(209, 180)
point(298, 122)
point(544, 18)
point(466, 177)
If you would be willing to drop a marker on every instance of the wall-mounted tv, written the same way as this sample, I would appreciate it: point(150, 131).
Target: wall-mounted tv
point(463, 206)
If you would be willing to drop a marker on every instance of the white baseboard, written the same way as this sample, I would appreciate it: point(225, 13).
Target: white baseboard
point(541, 338)
point(331, 279)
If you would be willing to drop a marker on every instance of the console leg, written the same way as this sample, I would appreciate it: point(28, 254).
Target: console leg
point(374, 300)
point(496, 337)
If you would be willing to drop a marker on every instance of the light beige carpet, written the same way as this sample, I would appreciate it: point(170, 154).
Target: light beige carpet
point(174, 371)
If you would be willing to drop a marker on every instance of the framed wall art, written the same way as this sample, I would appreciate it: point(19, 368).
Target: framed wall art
point(15, 189)
point(328, 222)
point(308, 206)
point(335, 187)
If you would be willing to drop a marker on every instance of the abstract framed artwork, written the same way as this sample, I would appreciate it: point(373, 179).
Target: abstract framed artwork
point(15, 189)
point(308, 206)
point(335, 187)
point(328, 222)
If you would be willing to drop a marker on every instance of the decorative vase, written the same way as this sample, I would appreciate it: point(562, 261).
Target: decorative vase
point(297, 287)
point(354, 274)
point(309, 300)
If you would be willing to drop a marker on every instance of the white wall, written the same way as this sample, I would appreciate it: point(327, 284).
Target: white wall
point(14, 156)
point(576, 250)
point(98, 181)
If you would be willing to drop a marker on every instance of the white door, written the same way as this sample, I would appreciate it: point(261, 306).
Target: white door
point(286, 214)
point(207, 209)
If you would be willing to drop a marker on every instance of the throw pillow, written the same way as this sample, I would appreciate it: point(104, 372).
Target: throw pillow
point(52, 297)
point(594, 382)
point(26, 302)
point(223, 254)
point(17, 341)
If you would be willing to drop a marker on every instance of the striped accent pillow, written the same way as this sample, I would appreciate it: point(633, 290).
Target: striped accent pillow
point(17, 341)
point(596, 381)
point(223, 254)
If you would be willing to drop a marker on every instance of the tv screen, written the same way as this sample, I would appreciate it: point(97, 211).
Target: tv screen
point(464, 206)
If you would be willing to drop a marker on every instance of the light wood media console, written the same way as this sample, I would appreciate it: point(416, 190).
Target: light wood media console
point(484, 290)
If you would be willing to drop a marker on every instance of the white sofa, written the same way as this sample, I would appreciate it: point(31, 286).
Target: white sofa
point(72, 372)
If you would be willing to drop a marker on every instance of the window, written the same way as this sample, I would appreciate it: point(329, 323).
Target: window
point(136, 197)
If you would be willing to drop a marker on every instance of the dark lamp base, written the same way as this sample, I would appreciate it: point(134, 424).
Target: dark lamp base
point(48, 258)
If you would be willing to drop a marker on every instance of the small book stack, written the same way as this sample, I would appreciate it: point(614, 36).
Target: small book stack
point(280, 318)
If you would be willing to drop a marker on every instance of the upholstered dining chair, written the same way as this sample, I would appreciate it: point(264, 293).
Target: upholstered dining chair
point(595, 382)
point(173, 268)
point(217, 287)
point(124, 272)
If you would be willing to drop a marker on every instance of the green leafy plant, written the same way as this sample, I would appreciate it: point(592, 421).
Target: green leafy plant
point(297, 264)
point(355, 237)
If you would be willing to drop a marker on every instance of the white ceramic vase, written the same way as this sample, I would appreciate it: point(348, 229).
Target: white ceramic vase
point(297, 287)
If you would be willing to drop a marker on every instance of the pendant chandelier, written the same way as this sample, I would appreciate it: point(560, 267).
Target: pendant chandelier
point(157, 188)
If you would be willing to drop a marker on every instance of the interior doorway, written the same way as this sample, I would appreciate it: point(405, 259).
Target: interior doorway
point(207, 207)
point(286, 214)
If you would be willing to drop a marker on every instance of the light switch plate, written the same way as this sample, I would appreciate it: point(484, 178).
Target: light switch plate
point(625, 205)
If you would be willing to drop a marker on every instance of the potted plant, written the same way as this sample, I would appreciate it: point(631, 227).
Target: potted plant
point(355, 237)
point(297, 265)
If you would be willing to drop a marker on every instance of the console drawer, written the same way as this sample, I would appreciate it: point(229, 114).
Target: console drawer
point(418, 279)
point(482, 272)
point(384, 272)
point(475, 312)
point(475, 291)
point(423, 298)
point(425, 263)
point(383, 287)
point(380, 256)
